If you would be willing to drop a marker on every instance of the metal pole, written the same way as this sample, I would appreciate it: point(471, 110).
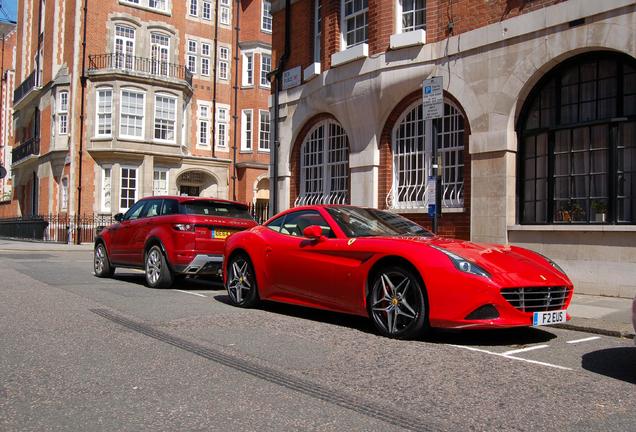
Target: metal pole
point(81, 131)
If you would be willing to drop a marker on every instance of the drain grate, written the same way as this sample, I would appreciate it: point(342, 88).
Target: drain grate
point(359, 405)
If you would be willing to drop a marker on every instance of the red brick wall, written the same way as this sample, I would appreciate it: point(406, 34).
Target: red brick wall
point(450, 224)
point(466, 15)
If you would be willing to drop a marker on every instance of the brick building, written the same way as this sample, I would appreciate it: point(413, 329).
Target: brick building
point(538, 136)
point(7, 84)
point(160, 110)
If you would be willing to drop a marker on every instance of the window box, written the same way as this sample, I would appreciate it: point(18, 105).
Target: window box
point(350, 54)
point(412, 38)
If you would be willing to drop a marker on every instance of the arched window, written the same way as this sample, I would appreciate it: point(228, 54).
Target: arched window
point(412, 157)
point(324, 165)
point(577, 143)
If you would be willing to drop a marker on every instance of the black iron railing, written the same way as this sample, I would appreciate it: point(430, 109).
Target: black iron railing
point(143, 65)
point(26, 149)
point(24, 88)
point(55, 228)
point(260, 212)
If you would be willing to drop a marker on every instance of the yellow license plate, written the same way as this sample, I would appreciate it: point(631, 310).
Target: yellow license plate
point(221, 234)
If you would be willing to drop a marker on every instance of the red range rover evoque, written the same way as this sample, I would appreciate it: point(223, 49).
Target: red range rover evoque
point(170, 236)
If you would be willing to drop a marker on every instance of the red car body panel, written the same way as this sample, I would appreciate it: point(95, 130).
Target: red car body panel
point(127, 241)
point(332, 273)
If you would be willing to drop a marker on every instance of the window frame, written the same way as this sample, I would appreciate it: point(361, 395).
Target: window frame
point(399, 16)
point(317, 30)
point(175, 100)
point(261, 132)
point(323, 164)
point(62, 112)
point(245, 130)
point(165, 171)
point(226, 61)
point(203, 120)
point(548, 113)
point(143, 113)
point(134, 169)
point(266, 18)
point(343, 24)
point(98, 113)
point(264, 82)
point(248, 69)
point(222, 126)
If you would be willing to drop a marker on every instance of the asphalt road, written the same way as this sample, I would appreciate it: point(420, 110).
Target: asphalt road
point(79, 353)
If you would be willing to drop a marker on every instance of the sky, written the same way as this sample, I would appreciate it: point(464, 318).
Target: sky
point(10, 7)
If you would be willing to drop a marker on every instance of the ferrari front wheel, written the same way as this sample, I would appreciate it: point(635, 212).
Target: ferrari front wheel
point(241, 282)
point(397, 303)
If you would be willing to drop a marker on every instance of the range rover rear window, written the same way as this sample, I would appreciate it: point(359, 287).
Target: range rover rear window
point(215, 208)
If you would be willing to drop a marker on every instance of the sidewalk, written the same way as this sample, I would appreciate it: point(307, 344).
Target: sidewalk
point(604, 315)
point(39, 246)
point(610, 316)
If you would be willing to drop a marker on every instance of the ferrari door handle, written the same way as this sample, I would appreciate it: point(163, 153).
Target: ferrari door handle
point(268, 249)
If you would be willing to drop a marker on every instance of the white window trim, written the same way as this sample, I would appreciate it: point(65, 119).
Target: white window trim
point(136, 198)
point(190, 9)
point(154, 120)
point(229, 15)
point(124, 39)
point(244, 135)
point(145, 5)
point(61, 112)
point(244, 80)
point(220, 107)
point(263, 29)
point(143, 122)
point(343, 29)
point(112, 113)
point(260, 74)
point(103, 197)
point(227, 62)
point(163, 170)
point(260, 149)
point(201, 119)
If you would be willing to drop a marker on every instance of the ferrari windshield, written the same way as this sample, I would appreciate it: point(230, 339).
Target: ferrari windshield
point(366, 222)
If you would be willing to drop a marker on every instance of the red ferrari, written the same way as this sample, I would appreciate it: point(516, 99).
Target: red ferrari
point(379, 264)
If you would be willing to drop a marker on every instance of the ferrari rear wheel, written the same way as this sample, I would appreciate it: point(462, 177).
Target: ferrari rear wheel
point(241, 282)
point(397, 304)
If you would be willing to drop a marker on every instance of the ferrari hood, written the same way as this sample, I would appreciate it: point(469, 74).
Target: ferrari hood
point(515, 264)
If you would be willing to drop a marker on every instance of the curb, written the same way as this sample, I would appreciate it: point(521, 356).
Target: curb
point(596, 330)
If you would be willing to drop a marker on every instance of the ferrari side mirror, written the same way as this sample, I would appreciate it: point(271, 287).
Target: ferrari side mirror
point(313, 232)
point(119, 217)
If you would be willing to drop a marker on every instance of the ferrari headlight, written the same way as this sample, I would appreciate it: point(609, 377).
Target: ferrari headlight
point(552, 263)
point(463, 264)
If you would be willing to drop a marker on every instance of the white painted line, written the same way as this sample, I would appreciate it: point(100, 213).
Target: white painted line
point(192, 293)
point(532, 348)
point(583, 340)
point(511, 357)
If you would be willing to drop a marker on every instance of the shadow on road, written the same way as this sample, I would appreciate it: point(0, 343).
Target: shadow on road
point(350, 321)
point(189, 284)
point(617, 363)
point(519, 336)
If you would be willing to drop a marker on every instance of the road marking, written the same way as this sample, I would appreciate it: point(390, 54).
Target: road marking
point(511, 357)
point(583, 340)
point(192, 293)
point(517, 351)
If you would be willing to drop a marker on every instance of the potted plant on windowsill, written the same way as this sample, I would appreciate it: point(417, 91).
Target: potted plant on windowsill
point(600, 211)
point(571, 212)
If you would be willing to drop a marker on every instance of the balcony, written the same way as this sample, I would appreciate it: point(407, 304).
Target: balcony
point(138, 67)
point(30, 147)
point(27, 87)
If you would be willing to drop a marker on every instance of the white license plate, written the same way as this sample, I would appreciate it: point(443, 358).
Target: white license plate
point(549, 318)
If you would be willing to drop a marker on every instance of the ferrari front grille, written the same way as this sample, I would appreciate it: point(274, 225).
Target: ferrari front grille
point(536, 299)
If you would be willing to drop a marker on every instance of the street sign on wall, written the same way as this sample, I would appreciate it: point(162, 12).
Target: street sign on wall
point(433, 98)
point(291, 78)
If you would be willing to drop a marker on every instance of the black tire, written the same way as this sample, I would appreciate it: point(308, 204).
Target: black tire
point(101, 263)
point(241, 282)
point(158, 273)
point(397, 303)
